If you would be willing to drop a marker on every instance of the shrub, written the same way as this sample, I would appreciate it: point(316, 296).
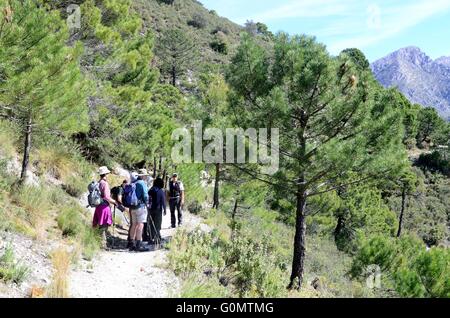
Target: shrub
point(242, 266)
point(255, 273)
point(75, 186)
point(198, 21)
point(189, 252)
point(70, 221)
point(435, 161)
point(72, 224)
point(194, 207)
point(91, 241)
point(406, 266)
point(10, 269)
point(220, 29)
point(208, 288)
point(168, 2)
point(219, 46)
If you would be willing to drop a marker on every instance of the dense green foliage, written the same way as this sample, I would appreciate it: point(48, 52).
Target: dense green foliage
point(42, 87)
point(321, 124)
point(112, 92)
point(406, 266)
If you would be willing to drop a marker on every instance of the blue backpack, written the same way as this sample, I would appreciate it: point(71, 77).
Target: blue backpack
point(130, 199)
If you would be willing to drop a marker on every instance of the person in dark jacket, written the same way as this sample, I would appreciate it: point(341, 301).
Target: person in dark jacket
point(176, 200)
point(157, 197)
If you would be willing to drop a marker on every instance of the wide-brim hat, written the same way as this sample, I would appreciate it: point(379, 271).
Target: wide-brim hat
point(143, 173)
point(103, 170)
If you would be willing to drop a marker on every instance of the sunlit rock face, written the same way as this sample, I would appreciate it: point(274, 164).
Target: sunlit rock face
point(421, 79)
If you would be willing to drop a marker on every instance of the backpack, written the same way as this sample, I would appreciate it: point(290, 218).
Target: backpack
point(115, 192)
point(174, 189)
point(130, 199)
point(95, 195)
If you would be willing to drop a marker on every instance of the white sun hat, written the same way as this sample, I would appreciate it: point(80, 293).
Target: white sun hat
point(143, 173)
point(103, 170)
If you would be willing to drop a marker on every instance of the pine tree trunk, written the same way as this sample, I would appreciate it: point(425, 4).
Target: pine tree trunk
point(339, 227)
point(402, 213)
point(164, 175)
point(174, 76)
point(216, 187)
point(233, 220)
point(26, 150)
point(299, 242)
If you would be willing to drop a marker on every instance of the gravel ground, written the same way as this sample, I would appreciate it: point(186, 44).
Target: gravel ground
point(121, 274)
point(34, 255)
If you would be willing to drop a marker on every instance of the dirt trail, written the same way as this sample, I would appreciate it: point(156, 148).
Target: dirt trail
point(121, 274)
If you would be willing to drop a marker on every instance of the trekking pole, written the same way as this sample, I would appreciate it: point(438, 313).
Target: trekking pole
point(114, 227)
point(157, 237)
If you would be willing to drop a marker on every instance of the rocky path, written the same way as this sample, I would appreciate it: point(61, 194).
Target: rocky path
point(121, 274)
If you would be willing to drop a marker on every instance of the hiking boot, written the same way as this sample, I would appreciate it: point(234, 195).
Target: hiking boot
point(131, 246)
point(140, 248)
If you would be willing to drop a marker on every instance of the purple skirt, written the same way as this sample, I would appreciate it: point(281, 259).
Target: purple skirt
point(102, 216)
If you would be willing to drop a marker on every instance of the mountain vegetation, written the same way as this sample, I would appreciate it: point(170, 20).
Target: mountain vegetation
point(364, 176)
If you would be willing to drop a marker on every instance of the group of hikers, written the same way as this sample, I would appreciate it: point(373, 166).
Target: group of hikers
point(143, 199)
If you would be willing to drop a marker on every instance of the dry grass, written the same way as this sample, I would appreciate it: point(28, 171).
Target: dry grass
point(54, 162)
point(59, 287)
point(8, 138)
point(64, 165)
point(218, 220)
point(35, 209)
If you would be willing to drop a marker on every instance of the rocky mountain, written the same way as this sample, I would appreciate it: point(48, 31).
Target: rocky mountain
point(421, 79)
point(444, 60)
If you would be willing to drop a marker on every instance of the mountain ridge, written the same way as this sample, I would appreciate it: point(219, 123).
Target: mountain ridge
point(421, 79)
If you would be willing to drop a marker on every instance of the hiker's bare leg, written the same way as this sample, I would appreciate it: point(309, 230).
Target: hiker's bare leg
point(103, 230)
point(139, 228)
point(133, 231)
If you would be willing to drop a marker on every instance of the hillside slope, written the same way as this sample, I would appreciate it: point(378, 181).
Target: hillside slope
point(159, 16)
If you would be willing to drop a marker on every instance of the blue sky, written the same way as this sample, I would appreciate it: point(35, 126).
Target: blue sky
point(377, 27)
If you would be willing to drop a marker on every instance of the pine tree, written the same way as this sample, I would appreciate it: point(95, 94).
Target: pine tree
point(429, 123)
point(332, 122)
point(211, 109)
point(42, 89)
point(127, 124)
point(177, 52)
